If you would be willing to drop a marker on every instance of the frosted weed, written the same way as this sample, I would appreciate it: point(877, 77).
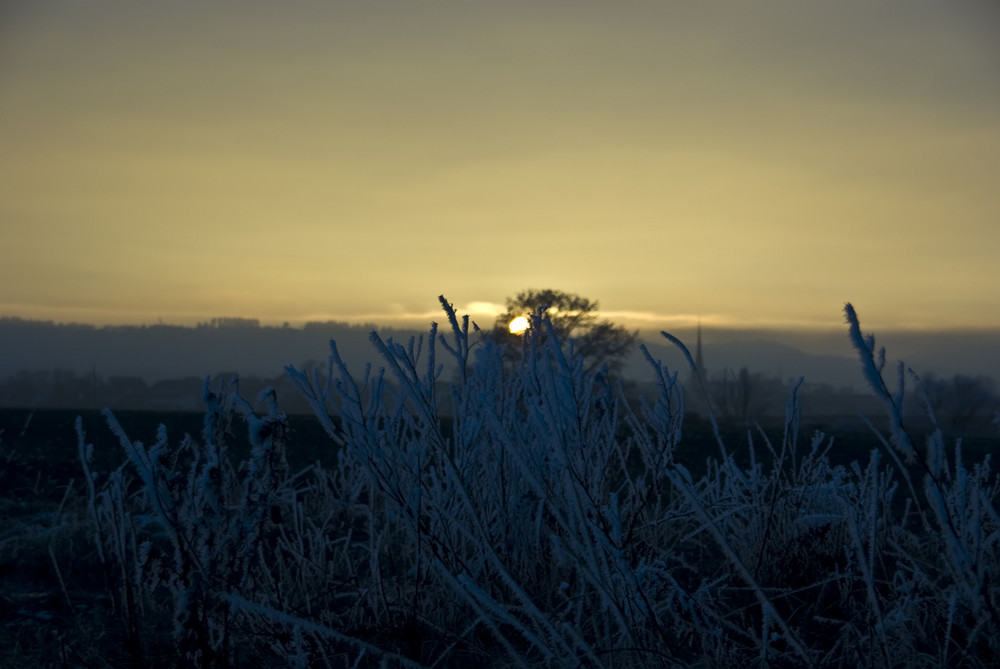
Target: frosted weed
point(546, 522)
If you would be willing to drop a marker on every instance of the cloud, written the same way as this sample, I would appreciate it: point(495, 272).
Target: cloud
point(491, 308)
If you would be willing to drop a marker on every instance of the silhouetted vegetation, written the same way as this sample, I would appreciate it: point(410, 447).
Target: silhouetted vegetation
point(551, 521)
point(600, 343)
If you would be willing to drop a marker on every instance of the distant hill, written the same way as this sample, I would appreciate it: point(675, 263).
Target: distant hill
point(158, 352)
point(829, 357)
point(766, 357)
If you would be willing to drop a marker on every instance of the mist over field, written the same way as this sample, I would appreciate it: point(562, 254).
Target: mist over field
point(242, 346)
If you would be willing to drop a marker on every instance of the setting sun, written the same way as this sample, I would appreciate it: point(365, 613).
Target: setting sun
point(710, 130)
point(518, 325)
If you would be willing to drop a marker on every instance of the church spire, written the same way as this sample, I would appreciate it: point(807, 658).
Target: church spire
point(699, 359)
point(699, 375)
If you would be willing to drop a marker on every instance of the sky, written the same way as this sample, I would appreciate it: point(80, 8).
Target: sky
point(743, 165)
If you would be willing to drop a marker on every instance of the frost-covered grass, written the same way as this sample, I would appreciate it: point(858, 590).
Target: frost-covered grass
point(552, 525)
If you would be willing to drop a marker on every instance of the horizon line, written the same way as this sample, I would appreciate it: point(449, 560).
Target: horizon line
point(644, 321)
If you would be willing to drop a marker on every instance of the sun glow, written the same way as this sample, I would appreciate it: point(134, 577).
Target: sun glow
point(518, 325)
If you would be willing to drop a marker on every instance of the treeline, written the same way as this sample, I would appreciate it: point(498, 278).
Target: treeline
point(963, 404)
point(157, 352)
point(162, 367)
point(66, 389)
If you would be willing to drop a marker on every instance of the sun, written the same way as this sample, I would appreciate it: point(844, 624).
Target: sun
point(518, 325)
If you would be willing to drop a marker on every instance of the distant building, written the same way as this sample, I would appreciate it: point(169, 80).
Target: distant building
point(125, 392)
point(231, 322)
point(183, 394)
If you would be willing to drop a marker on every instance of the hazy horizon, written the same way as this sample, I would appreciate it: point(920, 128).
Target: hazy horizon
point(822, 356)
point(485, 313)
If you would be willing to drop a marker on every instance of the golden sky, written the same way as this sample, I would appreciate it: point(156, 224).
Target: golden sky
point(746, 163)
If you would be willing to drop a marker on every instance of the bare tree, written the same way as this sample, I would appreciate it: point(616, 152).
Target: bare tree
point(600, 342)
point(962, 402)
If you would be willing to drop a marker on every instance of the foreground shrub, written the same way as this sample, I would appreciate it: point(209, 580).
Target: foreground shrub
point(546, 522)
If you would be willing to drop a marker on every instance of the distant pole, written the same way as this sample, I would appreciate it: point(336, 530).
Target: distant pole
point(699, 359)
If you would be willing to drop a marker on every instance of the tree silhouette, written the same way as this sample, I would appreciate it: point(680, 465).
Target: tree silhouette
point(963, 402)
point(600, 342)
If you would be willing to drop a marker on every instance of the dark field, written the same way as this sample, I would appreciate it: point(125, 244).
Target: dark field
point(38, 448)
point(54, 606)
